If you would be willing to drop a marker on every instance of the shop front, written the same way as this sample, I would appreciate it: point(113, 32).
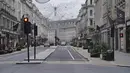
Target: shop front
point(2, 36)
point(10, 39)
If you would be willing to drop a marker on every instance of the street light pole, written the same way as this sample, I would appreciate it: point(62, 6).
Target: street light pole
point(55, 37)
point(55, 9)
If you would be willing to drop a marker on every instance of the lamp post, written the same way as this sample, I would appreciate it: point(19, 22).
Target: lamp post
point(78, 41)
point(55, 37)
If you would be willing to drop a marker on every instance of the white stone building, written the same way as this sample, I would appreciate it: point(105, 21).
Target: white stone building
point(109, 8)
point(86, 18)
point(65, 30)
point(7, 21)
point(90, 17)
point(85, 22)
point(11, 12)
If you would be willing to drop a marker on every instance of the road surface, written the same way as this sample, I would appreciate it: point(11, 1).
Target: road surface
point(61, 54)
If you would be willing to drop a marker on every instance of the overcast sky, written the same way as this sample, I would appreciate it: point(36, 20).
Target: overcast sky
point(66, 9)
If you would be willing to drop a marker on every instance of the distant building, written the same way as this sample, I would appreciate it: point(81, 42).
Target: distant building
point(65, 30)
point(51, 36)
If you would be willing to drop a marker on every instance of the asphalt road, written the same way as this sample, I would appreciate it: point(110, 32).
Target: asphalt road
point(60, 54)
point(60, 68)
point(65, 53)
point(21, 56)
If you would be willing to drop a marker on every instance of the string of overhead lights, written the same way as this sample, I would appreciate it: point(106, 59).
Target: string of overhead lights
point(42, 1)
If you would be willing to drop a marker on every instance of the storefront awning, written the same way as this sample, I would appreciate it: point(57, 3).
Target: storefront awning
point(8, 31)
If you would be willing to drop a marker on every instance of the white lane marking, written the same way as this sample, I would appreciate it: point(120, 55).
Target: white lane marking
point(70, 54)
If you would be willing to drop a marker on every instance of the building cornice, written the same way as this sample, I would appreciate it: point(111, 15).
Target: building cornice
point(3, 11)
point(28, 3)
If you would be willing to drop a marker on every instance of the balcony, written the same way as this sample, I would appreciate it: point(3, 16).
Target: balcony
point(121, 4)
point(90, 5)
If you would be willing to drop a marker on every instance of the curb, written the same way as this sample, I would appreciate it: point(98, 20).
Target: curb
point(81, 55)
point(120, 65)
point(25, 62)
point(123, 66)
point(48, 56)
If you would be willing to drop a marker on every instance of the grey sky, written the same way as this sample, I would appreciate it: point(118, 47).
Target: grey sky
point(67, 9)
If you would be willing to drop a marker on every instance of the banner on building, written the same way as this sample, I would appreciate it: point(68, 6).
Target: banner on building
point(120, 16)
point(112, 26)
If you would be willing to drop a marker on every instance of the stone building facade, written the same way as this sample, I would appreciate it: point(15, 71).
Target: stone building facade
point(11, 26)
point(65, 30)
point(85, 22)
point(121, 32)
point(7, 20)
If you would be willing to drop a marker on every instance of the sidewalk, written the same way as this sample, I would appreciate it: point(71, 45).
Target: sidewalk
point(16, 52)
point(121, 59)
point(42, 55)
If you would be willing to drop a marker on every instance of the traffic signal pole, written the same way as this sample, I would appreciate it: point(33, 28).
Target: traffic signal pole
point(27, 30)
point(35, 34)
point(28, 49)
point(113, 28)
point(34, 47)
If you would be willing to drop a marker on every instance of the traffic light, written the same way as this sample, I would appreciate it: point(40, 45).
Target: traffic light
point(35, 30)
point(25, 19)
point(27, 26)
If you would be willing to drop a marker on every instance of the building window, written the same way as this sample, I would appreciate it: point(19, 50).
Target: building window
point(1, 21)
point(91, 22)
point(91, 12)
point(91, 1)
point(8, 23)
point(11, 25)
point(4, 22)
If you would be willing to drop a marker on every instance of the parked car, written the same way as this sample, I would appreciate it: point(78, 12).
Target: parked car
point(32, 44)
point(46, 45)
point(3, 52)
point(63, 43)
